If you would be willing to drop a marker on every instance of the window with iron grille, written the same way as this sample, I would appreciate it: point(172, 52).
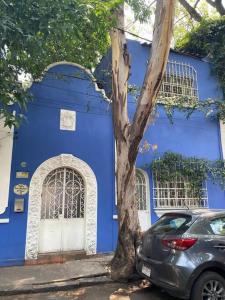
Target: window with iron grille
point(180, 79)
point(178, 193)
point(141, 190)
point(63, 195)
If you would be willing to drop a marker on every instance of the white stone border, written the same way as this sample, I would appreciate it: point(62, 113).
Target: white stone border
point(34, 204)
point(88, 72)
point(148, 199)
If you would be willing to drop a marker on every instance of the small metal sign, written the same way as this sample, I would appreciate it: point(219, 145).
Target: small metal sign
point(19, 205)
point(22, 174)
point(23, 164)
point(20, 189)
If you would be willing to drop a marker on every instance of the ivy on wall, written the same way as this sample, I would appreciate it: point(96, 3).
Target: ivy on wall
point(208, 39)
point(211, 108)
point(174, 165)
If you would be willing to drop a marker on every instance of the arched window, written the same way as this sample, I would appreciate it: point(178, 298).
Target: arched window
point(141, 190)
point(63, 195)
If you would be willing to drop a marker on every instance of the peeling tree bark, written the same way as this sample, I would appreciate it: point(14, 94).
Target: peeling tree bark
point(128, 135)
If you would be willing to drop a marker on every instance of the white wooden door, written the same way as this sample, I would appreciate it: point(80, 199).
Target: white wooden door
point(62, 212)
point(143, 202)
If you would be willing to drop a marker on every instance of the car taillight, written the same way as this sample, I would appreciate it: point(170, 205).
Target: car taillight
point(179, 244)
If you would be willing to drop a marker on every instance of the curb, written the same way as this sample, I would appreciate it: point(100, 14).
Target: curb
point(68, 284)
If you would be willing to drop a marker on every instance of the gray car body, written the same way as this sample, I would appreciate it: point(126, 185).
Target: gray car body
point(176, 271)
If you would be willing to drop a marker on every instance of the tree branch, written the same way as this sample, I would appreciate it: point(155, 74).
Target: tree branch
point(218, 5)
point(191, 10)
point(120, 75)
point(163, 28)
point(196, 3)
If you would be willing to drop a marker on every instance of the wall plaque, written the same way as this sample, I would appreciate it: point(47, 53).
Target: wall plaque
point(22, 174)
point(67, 120)
point(20, 189)
point(19, 205)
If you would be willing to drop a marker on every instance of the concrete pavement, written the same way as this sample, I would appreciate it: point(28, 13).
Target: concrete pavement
point(54, 277)
point(111, 291)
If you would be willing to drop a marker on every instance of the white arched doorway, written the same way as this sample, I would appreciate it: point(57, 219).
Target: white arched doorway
point(62, 210)
point(62, 226)
point(143, 199)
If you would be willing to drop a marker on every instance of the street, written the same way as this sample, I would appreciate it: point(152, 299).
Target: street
point(112, 291)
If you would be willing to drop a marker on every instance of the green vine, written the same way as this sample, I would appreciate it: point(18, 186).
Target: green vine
point(208, 39)
point(196, 170)
point(211, 108)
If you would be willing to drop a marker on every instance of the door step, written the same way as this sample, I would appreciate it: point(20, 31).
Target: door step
point(56, 257)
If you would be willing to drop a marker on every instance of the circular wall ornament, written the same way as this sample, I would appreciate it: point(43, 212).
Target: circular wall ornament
point(20, 189)
point(23, 164)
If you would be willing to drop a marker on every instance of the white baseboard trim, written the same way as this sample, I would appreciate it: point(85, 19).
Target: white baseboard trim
point(3, 221)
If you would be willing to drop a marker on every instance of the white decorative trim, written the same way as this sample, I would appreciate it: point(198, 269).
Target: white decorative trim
point(147, 193)
point(115, 166)
point(115, 217)
point(4, 221)
point(34, 208)
point(222, 136)
point(67, 120)
point(92, 78)
point(6, 147)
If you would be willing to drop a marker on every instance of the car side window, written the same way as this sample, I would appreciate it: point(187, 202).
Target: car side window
point(200, 227)
point(218, 226)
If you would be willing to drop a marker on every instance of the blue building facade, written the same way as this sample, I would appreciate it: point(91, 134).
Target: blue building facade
point(58, 168)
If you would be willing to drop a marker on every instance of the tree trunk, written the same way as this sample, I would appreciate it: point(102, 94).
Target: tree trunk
point(128, 226)
point(128, 135)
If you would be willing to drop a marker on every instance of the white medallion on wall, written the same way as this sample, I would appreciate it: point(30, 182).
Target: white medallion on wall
point(67, 120)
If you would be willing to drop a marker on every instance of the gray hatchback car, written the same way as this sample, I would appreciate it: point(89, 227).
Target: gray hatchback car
point(184, 253)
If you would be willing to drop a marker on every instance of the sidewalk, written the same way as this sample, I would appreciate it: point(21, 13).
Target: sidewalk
point(54, 277)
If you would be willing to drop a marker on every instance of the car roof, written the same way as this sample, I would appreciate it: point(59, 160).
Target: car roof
point(196, 213)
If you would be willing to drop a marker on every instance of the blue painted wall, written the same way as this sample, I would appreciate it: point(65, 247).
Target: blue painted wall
point(197, 136)
point(40, 138)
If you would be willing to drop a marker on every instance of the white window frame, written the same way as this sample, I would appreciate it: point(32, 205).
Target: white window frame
point(180, 79)
point(145, 184)
point(147, 192)
point(177, 201)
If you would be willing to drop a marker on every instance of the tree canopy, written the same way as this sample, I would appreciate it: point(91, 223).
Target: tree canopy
point(34, 34)
point(208, 39)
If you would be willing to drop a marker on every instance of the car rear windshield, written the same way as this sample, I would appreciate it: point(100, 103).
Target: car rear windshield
point(172, 223)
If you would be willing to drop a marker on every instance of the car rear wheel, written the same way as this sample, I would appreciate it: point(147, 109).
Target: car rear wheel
point(209, 286)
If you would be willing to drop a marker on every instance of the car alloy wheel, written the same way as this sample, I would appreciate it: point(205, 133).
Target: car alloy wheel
point(213, 290)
